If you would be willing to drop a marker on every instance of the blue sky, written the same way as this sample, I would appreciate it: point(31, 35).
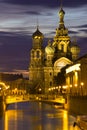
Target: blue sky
point(18, 21)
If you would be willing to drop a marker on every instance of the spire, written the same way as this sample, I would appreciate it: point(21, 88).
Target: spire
point(61, 4)
point(37, 33)
point(37, 24)
point(61, 15)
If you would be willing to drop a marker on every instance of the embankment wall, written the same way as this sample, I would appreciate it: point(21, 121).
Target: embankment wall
point(77, 104)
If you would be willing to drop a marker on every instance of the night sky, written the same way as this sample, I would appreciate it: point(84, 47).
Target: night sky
point(18, 21)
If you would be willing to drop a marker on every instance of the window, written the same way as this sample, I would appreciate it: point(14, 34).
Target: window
point(50, 73)
point(37, 54)
point(50, 83)
point(62, 47)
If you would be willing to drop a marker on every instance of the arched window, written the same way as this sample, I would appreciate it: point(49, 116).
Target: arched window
point(62, 47)
point(37, 54)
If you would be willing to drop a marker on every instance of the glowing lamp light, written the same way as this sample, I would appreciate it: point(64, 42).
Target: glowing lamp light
point(39, 89)
point(75, 85)
point(7, 87)
point(70, 85)
point(49, 89)
point(65, 86)
point(82, 83)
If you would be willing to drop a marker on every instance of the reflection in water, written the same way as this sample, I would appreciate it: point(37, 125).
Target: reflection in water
point(11, 119)
point(65, 120)
point(6, 121)
point(37, 116)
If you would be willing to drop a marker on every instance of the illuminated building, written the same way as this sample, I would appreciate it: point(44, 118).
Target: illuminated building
point(46, 63)
point(76, 77)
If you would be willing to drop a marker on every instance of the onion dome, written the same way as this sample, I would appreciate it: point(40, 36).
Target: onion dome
point(75, 49)
point(37, 34)
point(61, 12)
point(61, 22)
point(49, 49)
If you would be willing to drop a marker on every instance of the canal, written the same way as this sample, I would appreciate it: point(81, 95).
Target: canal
point(35, 116)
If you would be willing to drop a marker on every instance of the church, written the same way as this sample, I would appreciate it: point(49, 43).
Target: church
point(46, 62)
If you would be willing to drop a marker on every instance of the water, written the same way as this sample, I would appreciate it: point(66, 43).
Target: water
point(36, 116)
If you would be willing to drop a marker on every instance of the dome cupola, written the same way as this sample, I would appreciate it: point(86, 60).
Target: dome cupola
point(49, 49)
point(37, 34)
point(75, 50)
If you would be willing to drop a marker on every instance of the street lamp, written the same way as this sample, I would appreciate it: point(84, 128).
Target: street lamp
point(82, 84)
point(39, 90)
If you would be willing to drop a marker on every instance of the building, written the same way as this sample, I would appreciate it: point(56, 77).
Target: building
point(76, 77)
point(16, 82)
point(46, 63)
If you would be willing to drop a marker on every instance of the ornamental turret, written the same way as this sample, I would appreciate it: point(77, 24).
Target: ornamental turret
point(37, 38)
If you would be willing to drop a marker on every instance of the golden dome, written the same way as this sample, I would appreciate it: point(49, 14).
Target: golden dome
point(49, 49)
point(61, 12)
point(37, 33)
point(75, 49)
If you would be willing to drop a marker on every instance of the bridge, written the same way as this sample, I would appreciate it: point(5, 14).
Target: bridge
point(10, 99)
point(16, 96)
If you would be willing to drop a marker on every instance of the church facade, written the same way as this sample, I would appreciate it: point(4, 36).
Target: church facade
point(47, 62)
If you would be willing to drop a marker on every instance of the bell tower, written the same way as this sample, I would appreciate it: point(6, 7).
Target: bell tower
point(36, 59)
point(36, 54)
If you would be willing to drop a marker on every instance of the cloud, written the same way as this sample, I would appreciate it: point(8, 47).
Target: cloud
point(32, 12)
point(72, 32)
point(83, 45)
point(83, 30)
point(18, 21)
point(83, 26)
point(48, 3)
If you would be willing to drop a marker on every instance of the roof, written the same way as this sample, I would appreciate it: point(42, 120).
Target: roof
point(37, 33)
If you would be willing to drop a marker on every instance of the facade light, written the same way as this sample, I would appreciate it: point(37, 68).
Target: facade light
point(75, 67)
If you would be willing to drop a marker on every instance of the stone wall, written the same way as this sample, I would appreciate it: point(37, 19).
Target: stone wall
point(77, 104)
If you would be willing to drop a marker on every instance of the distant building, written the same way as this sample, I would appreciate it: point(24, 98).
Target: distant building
point(46, 63)
point(76, 77)
point(17, 84)
point(5, 77)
